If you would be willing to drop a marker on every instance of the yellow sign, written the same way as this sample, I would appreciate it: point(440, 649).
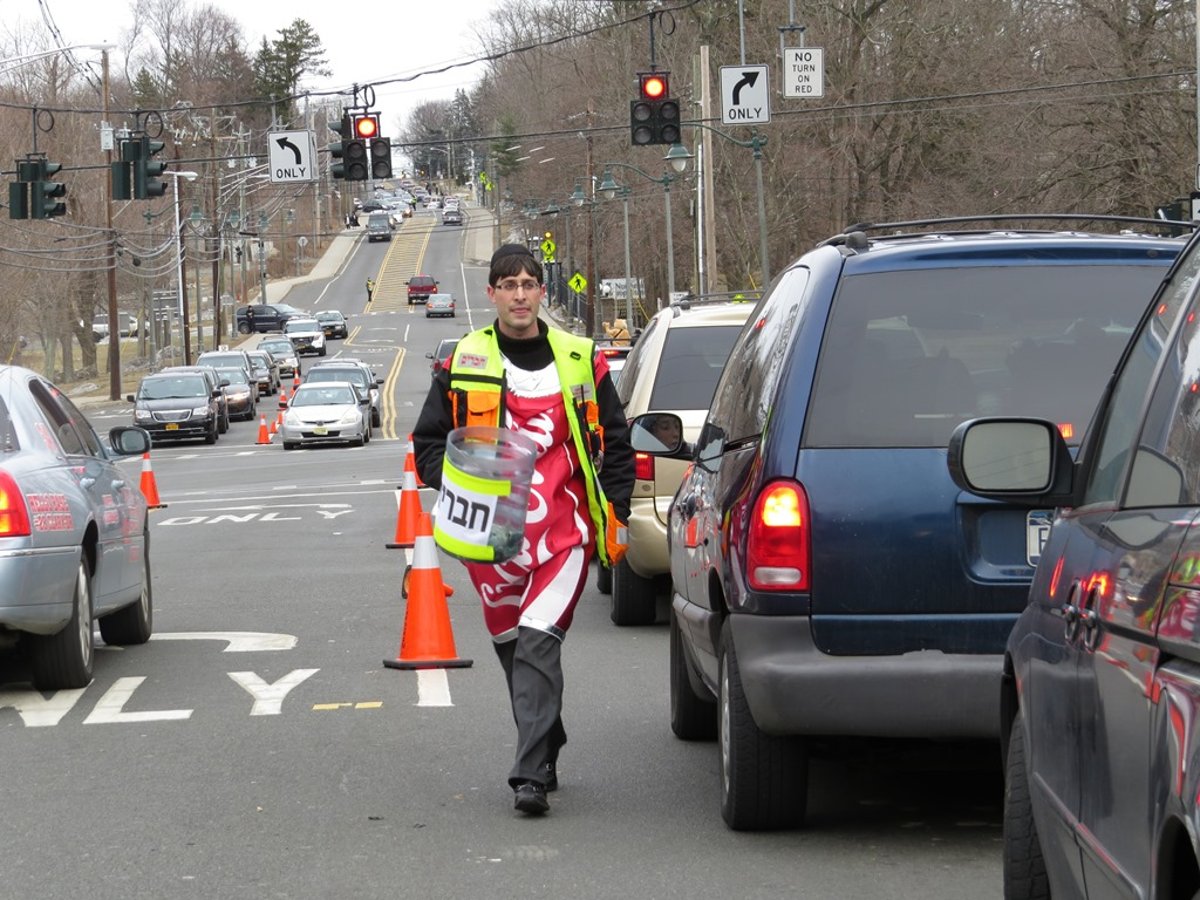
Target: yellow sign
point(548, 248)
point(577, 283)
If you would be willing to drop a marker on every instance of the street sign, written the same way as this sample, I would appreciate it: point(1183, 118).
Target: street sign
point(293, 156)
point(745, 95)
point(804, 72)
point(548, 248)
point(577, 283)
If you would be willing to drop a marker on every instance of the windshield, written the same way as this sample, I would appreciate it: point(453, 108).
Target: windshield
point(173, 387)
point(320, 373)
point(326, 396)
point(279, 348)
point(293, 325)
point(233, 376)
point(329, 317)
point(219, 360)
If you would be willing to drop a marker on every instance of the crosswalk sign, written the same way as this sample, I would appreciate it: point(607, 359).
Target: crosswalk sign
point(548, 248)
point(577, 283)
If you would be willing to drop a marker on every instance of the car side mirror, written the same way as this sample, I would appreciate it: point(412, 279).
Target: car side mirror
point(1024, 461)
point(429, 355)
point(380, 380)
point(659, 434)
point(126, 440)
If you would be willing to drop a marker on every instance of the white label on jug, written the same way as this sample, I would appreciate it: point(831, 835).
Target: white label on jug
point(464, 514)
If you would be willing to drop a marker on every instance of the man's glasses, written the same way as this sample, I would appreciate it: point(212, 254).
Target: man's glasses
point(528, 285)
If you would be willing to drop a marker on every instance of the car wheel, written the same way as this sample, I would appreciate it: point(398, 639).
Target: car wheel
point(243, 328)
point(211, 437)
point(764, 778)
point(633, 597)
point(321, 352)
point(604, 579)
point(63, 661)
point(693, 717)
point(134, 623)
point(375, 418)
point(290, 445)
point(224, 423)
point(1024, 868)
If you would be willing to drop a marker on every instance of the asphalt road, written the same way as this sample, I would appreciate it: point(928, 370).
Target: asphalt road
point(257, 746)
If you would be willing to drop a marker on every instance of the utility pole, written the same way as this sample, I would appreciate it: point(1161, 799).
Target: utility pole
point(114, 329)
point(590, 291)
point(214, 218)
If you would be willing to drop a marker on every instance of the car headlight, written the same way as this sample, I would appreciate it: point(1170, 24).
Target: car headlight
point(349, 418)
point(200, 411)
point(142, 415)
point(319, 339)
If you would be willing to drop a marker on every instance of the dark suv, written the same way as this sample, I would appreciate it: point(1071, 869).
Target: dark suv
point(829, 579)
point(265, 317)
point(1101, 684)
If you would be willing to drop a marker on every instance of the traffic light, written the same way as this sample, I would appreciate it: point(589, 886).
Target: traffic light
point(18, 191)
point(122, 169)
point(654, 116)
point(366, 126)
point(44, 193)
point(357, 163)
point(146, 170)
point(337, 150)
point(381, 158)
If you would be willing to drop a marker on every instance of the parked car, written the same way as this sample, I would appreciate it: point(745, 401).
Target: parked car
point(334, 323)
point(1100, 674)
point(100, 328)
point(420, 287)
point(326, 412)
point(673, 368)
point(265, 371)
point(284, 353)
point(265, 317)
point(439, 305)
point(177, 406)
point(829, 578)
point(440, 357)
point(240, 393)
point(306, 335)
point(73, 550)
point(357, 373)
point(215, 383)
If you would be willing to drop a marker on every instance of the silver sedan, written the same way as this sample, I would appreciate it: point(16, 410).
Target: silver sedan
point(328, 412)
point(74, 535)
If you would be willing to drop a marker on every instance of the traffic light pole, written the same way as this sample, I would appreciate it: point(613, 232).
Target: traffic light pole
point(114, 330)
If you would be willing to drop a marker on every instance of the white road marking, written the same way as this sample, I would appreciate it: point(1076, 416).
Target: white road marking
point(237, 641)
point(433, 688)
point(110, 709)
point(268, 698)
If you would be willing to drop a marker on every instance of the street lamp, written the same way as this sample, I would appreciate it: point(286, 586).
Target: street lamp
point(183, 310)
point(756, 143)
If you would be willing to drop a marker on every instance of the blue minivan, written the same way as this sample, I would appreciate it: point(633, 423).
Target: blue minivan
point(829, 578)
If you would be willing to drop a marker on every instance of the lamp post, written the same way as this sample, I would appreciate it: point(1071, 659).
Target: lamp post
point(678, 157)
point(183, 310)
point(756, 143)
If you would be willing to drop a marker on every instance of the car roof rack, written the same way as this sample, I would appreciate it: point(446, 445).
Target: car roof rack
point(854, 236)
point(745, 296)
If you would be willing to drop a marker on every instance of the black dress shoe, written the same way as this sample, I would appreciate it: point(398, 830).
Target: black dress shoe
point(531, 798)
point(551, 779)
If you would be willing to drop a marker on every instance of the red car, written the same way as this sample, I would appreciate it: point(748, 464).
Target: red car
point(420, 287)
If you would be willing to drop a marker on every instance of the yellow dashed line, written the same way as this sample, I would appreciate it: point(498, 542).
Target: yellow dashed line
point(362, 704)
point(402, 261)
point(370, 704)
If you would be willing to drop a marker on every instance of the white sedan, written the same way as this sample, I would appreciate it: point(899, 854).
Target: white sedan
point(330, 412)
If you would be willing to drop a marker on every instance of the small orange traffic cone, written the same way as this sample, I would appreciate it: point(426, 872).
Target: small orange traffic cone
point(428, 639)
point(283, 397)
point(274, 427)
point(263, 436)
point(149, 485)
point(413, 455)
point(409, 510)
point(295, 380)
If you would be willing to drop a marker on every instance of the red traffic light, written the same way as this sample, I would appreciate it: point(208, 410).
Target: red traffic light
point(653, 85)
point(366, 127)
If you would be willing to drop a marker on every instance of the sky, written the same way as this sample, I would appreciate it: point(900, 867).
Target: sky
point(380, 42)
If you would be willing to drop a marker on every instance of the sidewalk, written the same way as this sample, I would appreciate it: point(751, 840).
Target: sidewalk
point(327, 266)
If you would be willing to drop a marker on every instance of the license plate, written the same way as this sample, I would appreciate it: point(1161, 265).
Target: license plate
point(172, 426)
point(320, 429)
point(1037, 530)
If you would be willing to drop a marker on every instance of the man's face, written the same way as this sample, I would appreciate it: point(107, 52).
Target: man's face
point(517, 299)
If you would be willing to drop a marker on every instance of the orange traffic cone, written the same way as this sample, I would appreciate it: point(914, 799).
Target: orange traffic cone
point(295, 380)
point(428, 639)
point(409, 510)
point(263, 436)
point(274, 428)
point(283, 397)
point(413, 455)
point(149, 485)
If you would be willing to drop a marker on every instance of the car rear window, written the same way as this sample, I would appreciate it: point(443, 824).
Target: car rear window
point(689, 366)
point(907, 356)
point(321, 373)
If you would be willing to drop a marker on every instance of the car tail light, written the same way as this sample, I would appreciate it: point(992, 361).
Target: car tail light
point(14, 514)
point(643, 466)
point(777, 549)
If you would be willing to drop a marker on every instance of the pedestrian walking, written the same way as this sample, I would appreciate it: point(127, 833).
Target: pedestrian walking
point(370, 289)
point(553, 387)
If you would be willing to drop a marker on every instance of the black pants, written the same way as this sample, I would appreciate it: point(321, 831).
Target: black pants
point(533, 669)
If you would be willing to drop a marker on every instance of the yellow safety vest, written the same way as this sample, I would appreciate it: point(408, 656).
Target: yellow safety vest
point(477, 398)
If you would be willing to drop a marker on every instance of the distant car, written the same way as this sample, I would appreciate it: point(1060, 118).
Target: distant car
point(266, 370)
point(214, 383)
point(326, 412)
point(306, 335)
point(74, 536)
point(357, 373)
point(265, 317)
point(452, 216)
point(240, 392)
point(284, 352)
point(379, 226)
point(369, 205)
point(333, 323)
point(615, 354)
point(177, 406)
point(439, 305)
point(440, 357)
point(420, 287)
point(231, 357)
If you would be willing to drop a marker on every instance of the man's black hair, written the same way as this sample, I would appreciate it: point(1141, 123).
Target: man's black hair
point(511, 260)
